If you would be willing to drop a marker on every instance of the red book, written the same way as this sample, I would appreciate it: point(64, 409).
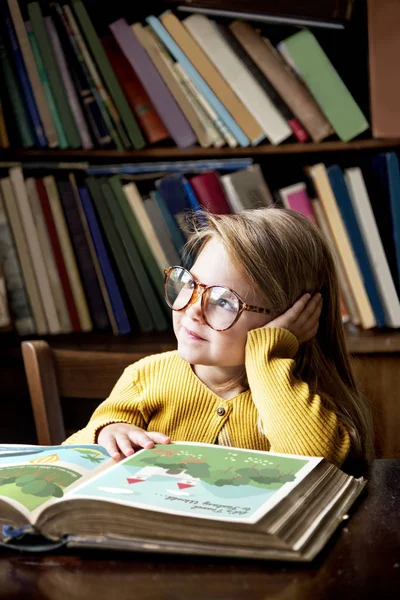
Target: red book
point(210, 193)
point(58, 255)
point(135, 93)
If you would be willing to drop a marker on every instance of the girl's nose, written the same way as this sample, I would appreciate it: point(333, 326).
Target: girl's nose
point(194, 310)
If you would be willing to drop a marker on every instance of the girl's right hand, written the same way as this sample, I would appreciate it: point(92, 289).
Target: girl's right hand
point(122, 438)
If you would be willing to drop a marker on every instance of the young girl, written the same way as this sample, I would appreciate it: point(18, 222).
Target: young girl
point(261, 360)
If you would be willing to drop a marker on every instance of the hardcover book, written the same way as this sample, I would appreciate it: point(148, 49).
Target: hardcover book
point(184, 498)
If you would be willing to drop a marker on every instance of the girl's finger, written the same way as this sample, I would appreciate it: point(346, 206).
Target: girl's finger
point(141, 439)
point(124, 444)
point(312, 307)
point(112, 447)
point(158, 438)
point(295, 311)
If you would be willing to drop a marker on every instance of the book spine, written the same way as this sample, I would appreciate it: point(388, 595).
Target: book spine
point(33, 76)
point(165, 104)
point(29, 99)
point(218, 123)
point(165, 66)
point(68, 253)
point(17, 105)
point(136, 95)
point(18, 299)
point(212, 132)
point(234, 72)
point(117, 304)
point(296, 127)
point(107, 109)
point(62, 140)
point(38, 261)
point(176, 234)
point(198, 81)
point(68, 84)
point(58, 254)
point(123, 110)
point(21, 245)
point(81, 78)
point(49, 260)
point(294, 93)
point(38, 27)
point(4, 141)
point(82, 253)
point(5, 320)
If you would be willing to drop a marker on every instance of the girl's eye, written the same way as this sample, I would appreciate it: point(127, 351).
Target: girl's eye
point(223, 303)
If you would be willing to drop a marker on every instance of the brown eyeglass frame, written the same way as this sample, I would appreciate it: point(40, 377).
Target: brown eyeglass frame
point(242, 304)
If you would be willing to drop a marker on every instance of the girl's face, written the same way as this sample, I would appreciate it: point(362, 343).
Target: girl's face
point(198, 344)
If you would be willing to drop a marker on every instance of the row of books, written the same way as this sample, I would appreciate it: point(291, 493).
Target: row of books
point(194, 81)
point(87, 248)
point(80, 251)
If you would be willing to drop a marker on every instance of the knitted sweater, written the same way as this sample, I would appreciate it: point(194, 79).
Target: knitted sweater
point(162, 393)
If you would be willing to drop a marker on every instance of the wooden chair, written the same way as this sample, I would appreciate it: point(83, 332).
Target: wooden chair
point(53, 374)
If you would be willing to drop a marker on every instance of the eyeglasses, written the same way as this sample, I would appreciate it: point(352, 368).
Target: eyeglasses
point(220, 306)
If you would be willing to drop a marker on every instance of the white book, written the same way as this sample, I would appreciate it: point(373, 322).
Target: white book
point(50, 263)
point(373, 244)
point(242, 82)
point(38, 261)
point(24, 257)
point(68, 253)
point(246, 189)
point(138, 209)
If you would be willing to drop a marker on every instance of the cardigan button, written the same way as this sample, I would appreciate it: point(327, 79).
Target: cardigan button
point(221, 411)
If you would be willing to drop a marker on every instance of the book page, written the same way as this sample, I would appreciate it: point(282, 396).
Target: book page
point(200, 480)
point(32, 477)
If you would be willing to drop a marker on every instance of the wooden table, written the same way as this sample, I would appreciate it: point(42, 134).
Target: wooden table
point(362, 560)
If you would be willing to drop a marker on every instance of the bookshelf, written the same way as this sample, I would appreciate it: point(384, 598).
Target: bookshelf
point(376, 353)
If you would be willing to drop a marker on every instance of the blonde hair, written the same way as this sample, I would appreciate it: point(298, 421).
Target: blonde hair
point(283, 255)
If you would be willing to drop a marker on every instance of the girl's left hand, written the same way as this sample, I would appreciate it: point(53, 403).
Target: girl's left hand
point(301, 319)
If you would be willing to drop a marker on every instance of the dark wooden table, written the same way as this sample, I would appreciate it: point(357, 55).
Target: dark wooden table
point(362, 560)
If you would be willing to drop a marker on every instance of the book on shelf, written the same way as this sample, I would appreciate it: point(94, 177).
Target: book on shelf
point(197, 80)
point(183, 498)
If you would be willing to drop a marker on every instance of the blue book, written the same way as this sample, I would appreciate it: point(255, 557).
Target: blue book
point(197, 79)
point(118, 308)
point(178, 166)
point(344, 203)
point(26, 87)
point(191, 196)
point(394, 195)
point(176, 234)
point(377, 180)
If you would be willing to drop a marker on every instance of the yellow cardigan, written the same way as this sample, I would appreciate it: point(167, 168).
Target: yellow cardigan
point(162, 393)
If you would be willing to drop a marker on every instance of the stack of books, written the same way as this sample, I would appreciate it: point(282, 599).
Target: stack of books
point(195, 81)
point(87, 248)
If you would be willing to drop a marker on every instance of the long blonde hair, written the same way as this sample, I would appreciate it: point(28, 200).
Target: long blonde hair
point(283, 255)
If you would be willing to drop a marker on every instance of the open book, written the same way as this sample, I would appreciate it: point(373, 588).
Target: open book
point(182, 497)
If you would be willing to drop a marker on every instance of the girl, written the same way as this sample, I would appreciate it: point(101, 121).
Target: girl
point(261, 360)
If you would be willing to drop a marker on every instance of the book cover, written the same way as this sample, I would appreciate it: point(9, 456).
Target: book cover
point(56, 83)
point(210, 193)
point(67, 190)
point(184, 497)
point(246, 189)
point(121, 320)
point(366, 220)
point(137, 97)
point(161, 230)
point(176, 199)
point(338, 184)
point(166, 106)
point(109, 77)
point(324, 82)
point(235, 73)
point(296, 197)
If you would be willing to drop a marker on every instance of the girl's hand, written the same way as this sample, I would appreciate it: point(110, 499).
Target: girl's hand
point(301, 319)
point(123, 438)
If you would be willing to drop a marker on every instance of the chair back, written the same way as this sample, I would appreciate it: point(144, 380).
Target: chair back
point(54, 374)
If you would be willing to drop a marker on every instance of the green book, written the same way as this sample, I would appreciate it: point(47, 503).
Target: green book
point(305, 55)
point(122, 222)
point(62, 139)
point(140, 240)
point(103, 199)
point(108, 75)
point(15, 99)
point(56, 82)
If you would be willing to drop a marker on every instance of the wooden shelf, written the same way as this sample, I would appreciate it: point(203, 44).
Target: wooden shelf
point(173, 153)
